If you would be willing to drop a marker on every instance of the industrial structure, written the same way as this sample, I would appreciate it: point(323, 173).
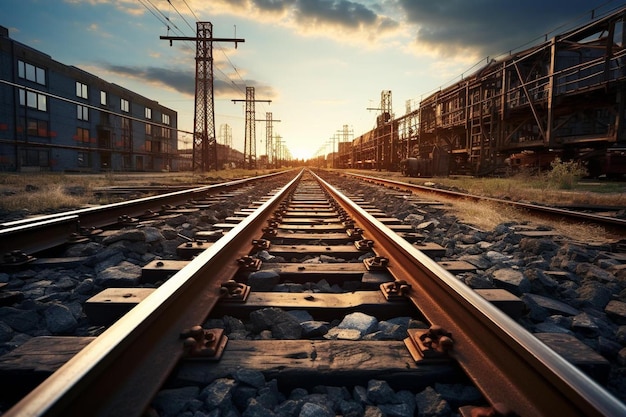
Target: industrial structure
point(55, 117)
point(563, 97)
point(204, 143)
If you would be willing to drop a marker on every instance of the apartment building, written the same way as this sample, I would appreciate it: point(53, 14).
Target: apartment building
point(57, 117)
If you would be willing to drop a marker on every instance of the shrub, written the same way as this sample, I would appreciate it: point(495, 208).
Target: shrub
point(564, 174)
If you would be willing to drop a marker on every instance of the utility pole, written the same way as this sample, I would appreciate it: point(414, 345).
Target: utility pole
point(343, 136)
point(204, 142)
point(226, 135)
point(269, 146)
point(249, 146)
point(279, 150)
point(385, 117)
point(225, 138)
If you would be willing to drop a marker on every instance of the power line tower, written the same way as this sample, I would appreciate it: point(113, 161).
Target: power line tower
point(269, 140)
point(268, 137)
point(382, 120)
point(204, 143)
point(226, 135)
point(344, 134)
point(249, 146)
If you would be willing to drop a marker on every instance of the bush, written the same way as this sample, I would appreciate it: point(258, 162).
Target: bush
point(565, 174)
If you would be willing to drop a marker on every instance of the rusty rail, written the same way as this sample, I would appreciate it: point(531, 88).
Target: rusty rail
point(35, 234)
point(508, 364)
point(119, 372)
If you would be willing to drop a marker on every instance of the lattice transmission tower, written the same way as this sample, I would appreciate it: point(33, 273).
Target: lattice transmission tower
point(225, 137)
point(249, 145)
point(204, 142)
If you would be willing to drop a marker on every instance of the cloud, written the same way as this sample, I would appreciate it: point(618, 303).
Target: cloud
point(488, 27)
point(342, 13)
point(183, 81)
point(342, 20)
point(127, 6)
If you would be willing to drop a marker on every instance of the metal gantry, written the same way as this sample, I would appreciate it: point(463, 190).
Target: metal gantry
point(249, 152)
point(204, 140)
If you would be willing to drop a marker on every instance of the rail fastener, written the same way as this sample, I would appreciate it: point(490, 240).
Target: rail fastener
point(429, 345)
point(376, 263)
point(207, 344)
point(395, 290)
point(234, 291)
point(364, 244)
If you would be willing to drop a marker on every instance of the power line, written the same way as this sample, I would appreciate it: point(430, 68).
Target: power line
point(181, 16)
point(192, 12)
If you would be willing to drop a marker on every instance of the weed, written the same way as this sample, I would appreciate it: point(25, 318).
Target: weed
point(565, 174)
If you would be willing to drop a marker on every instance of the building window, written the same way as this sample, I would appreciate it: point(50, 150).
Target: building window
point(82, 135)
point(165, 132)
point(36, 127)
point(33, 100)
point(81, 90)
point(148, 129)
point(148, 113)
point(82, 112)
point(125, 105)
point(31, 72)
point(126, 136)
point(103, 98)
point(83, 159)
point(34, 158)
point(165, 118)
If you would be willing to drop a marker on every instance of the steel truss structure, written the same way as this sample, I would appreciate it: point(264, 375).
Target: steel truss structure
point(565, 95)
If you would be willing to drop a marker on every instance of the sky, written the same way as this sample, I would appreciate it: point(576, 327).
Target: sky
point(322, 63)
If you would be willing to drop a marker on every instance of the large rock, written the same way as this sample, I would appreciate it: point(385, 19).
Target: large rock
point(264, 280)
point(430, 403)
point(379, 392)
point(218, 393)
point(19, 320)
point(172, 402)
point(511, 280)
point(282, 324)
point(59, 319)
point(358, 321)
point(125, 274)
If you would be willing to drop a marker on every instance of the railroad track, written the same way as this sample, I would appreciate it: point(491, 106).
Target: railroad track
point(19, 239)
point(613, 225)
point(464, 337)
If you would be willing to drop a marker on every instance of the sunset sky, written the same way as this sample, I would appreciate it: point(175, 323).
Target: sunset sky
point(322, 63)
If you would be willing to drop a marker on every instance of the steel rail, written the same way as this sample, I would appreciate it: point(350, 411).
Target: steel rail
point(507, 363)
point(121, 370)
point(613, 224)
point(29, 235)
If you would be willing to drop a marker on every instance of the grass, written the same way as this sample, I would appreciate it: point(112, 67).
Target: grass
point(39, 193)
point(526, 188)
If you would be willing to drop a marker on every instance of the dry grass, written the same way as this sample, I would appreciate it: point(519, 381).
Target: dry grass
point(524, 188)
point(486, 216)
point(50, 197)
point(39, 193)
